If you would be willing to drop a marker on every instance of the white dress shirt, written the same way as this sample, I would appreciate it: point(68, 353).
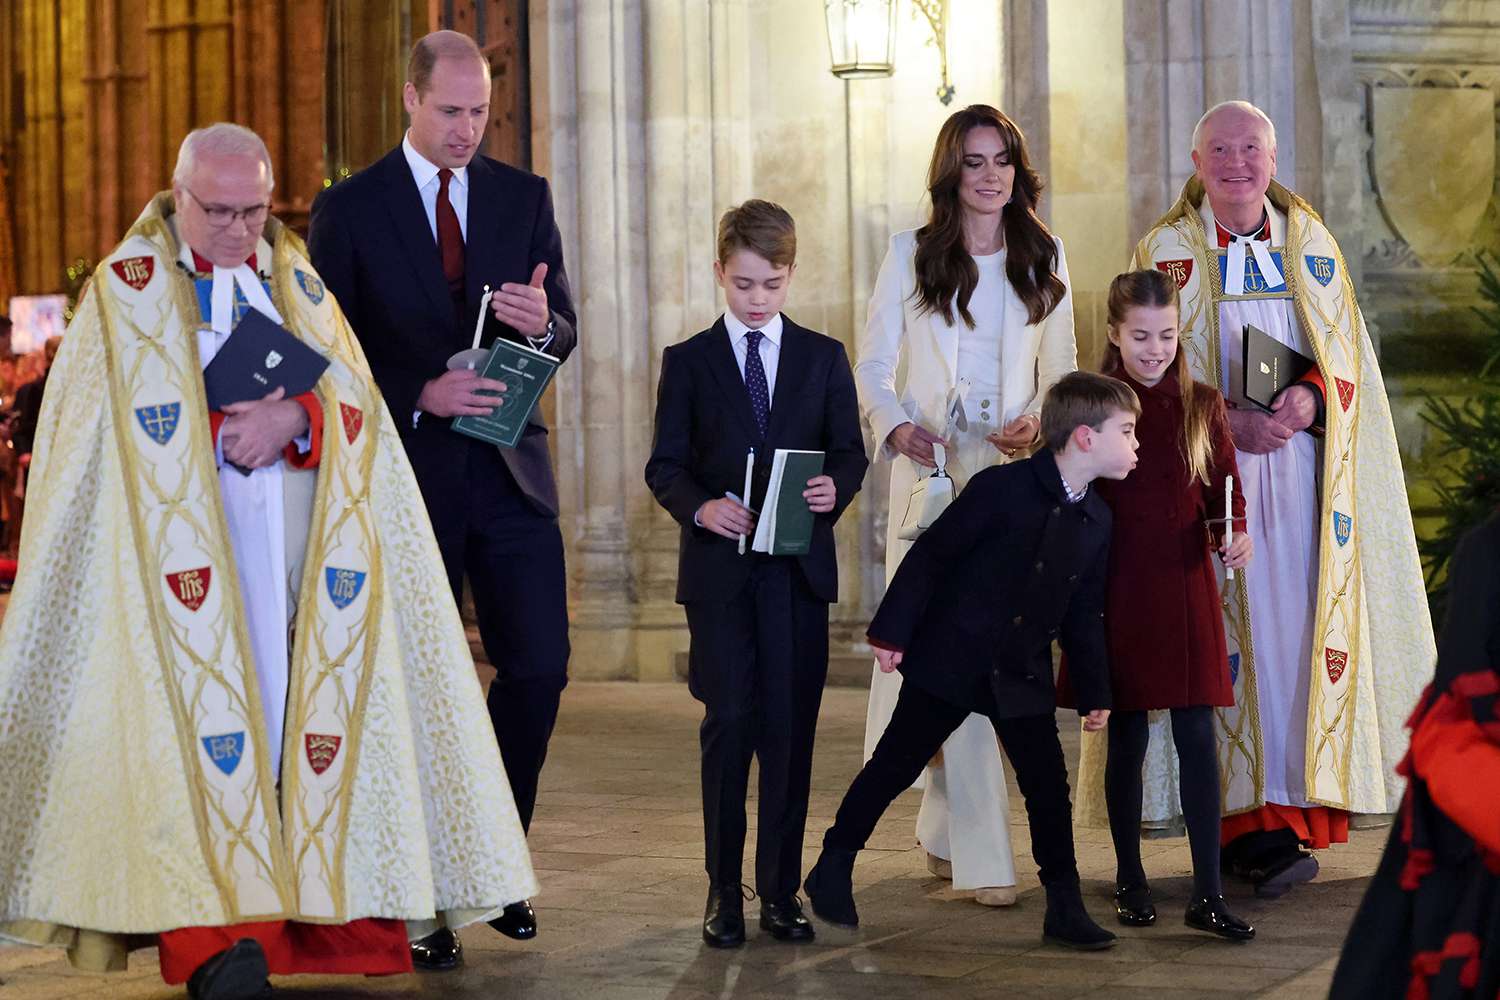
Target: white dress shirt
point(425, 173)
point(770, 346)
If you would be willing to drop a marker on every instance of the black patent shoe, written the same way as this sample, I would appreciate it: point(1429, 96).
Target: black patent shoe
point(237, 973)
point(1211, 914)
point(830, 887)
point(518, 921)
point(1067, 921)
point(784, 919)
point(724, 916)
point(437, 952)
point(1133, 906)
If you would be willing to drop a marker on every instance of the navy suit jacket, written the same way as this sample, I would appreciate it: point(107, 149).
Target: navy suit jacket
point(371, 244)
point(979, 597)
point(705, 427)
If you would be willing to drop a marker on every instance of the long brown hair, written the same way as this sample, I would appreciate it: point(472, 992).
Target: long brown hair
point(946, 272)
point(1153, 289)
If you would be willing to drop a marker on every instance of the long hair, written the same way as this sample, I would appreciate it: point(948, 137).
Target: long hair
point(1154, 289)
point(946, 273)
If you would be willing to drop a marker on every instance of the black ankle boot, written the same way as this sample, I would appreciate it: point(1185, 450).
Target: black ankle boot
point(1210, 913)
point(1068, 923)
point(830, 887)
point(1133, 905)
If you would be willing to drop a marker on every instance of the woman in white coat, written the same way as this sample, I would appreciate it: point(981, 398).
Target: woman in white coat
point(973, 307)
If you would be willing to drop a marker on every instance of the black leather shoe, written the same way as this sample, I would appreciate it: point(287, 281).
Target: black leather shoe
point(724, 917)
point(1133, 906)
point(1212, 915)
point(830, 887)
point(1280, 875)
point(1068, 923)
point(784, 919)
point(518, 921)
point(438, 952)
point(237, 973)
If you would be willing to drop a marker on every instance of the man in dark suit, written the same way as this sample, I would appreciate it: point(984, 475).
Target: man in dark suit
point(969, 618)
point(758, 623)
point(407, 246)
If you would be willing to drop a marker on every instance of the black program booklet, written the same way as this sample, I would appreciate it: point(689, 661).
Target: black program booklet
point(1270, 366)
point(260, 356)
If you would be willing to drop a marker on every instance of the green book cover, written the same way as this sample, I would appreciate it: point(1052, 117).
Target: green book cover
point(790, 524)
point(526, 374)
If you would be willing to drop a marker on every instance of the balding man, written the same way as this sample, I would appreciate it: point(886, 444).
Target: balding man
point(407, 246)
point(238, 715)
point(1329, 635)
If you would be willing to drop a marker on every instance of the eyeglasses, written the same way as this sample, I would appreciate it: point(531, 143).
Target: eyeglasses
point(220, 216)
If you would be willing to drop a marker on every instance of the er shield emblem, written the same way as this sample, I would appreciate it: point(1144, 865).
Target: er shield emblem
point(190, 586)
point(225, 750)
point(321, 750)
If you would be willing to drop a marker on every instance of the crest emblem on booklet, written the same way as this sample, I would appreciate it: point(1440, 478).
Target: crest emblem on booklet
point(273, 359)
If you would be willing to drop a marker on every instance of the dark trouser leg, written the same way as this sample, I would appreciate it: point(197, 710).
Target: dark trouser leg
point(1031, 743)
point(1128, 735)
point(721, 674)
point(791, 665)
point(1198, 767)
point(514, 559)
point(918, 727)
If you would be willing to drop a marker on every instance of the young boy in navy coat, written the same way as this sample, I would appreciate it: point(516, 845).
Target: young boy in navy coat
point(969, 619)
point(758, 623)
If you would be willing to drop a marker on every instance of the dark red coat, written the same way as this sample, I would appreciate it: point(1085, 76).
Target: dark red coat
point(1163, 616)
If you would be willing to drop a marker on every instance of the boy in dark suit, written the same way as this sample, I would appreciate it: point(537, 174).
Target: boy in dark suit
point(758, 623)
point(969, 618)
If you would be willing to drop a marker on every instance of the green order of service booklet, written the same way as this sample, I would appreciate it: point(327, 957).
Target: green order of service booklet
point(786, 521)
point(526, 373)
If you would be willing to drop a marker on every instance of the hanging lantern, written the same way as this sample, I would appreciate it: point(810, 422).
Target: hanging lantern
point(861, 38)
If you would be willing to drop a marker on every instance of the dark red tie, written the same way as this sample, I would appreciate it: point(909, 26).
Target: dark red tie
point(450, 237)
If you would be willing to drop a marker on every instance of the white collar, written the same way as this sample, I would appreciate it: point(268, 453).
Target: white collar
point(262, 254)
point(737, 330)
point(424, 170)
point(1278, 222)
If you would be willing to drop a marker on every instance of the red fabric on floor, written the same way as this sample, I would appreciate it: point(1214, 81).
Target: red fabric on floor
point(369, 947)
point(1315, 826)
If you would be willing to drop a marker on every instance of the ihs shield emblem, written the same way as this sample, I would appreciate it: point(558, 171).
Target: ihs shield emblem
point(190, 586)
point(343, 585)
point(311, 286)
point(225, 750)
point(134, 271)
point(1321, 268)
point(1178, 270)
point(1337, 661)
point(1342, 524)
point(321, 750)
point(160, 421)
point(353, 418)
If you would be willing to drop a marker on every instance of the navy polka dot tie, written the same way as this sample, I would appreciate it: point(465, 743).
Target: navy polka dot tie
point(755, 381)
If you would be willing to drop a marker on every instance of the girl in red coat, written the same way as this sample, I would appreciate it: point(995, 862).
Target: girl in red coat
point(1162, 614)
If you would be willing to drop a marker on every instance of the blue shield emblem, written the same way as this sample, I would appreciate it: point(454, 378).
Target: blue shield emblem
point(225, 750)
point(1343, 524)
point(160, 421)
point(1321, 268)
point(343, 585)
point(1234, 668)
point(312, 287)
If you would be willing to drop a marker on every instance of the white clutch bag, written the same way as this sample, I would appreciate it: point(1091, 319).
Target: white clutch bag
point(929, 497)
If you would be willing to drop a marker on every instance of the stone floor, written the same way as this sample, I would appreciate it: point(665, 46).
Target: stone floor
point(618, 848)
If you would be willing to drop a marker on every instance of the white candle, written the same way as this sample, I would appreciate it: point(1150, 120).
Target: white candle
point(1228, 521)
point(484, 307)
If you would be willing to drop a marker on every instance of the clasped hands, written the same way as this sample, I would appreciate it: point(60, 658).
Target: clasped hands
point(915, 441)
point(255, 432)
point(1258, 433)
point(731, 519)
